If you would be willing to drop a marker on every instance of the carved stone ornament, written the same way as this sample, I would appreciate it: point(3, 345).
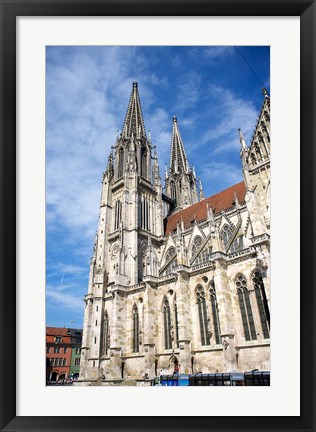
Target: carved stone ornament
point(225, 343)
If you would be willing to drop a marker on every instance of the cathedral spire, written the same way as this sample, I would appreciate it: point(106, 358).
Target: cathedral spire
point(178, 158)
point(134, 122)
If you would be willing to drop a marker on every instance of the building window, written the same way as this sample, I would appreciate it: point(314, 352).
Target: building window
point(77, 350)
point(65, 350)
point(64, 362)
point(77, 361)
point(167, 324)
point(144, 214)
point(58, 339)
point(118, 214)
point(245, 308)
point(196, 245)
point(215, 313)
point(176, 323)
point(57, 350)
point(173, 191)
point(169, 257)
point(106, 334)
point(262, 303)
point(203, 319)
point(47, 349)
point(144, 163)
point(225, 235)
point(135, 329)
point(120, 163)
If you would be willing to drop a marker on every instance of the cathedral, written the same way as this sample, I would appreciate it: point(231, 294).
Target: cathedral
point(178, 281)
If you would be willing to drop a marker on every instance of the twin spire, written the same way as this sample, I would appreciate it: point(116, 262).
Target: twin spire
point(134, 126)
point(178, 157)
point(134, 122)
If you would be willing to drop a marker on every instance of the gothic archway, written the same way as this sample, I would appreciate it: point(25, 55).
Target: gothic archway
point(174, 363)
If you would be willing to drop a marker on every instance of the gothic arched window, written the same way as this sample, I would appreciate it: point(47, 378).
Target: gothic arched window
point(173, 191)
point(226, 234)
point(171, 253)
point(176, 323)
point(215, 313)
point(245, 308)
point(120, 163)
point(118, 214)
point(203, 318)
point(106, 334)
point(144, 163)
point(135, 329)
point(167, 324)
point(262, 303)
point(196, 245)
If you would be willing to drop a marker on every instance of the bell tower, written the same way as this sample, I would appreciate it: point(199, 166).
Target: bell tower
point(136, 200)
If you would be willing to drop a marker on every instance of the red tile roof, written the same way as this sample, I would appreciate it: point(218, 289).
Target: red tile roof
point(57, 331)
point(221, 201)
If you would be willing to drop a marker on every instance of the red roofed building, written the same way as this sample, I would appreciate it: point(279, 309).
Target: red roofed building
point(59, 345)
point(178, 282)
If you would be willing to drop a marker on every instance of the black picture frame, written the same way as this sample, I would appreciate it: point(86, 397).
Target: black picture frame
point(10, 10)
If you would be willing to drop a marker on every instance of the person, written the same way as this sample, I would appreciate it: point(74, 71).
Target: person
point(161, 372)
point(146, 376)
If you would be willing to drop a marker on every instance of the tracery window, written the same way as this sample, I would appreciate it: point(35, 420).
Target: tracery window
point(120, 163)
point(226, 234)
point(169, 255)
point(167, 324)
point(135, 329)
point(145, 214)
point(106, 334)
point(203, 318)
point(196, 245)
point(245, 308)
point(118, 214)
point(144, 163)
point(173, 191)
point(176, 323)
point(262, 303)
point(215, 313)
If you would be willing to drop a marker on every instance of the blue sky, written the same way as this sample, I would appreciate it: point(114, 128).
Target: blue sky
point(211, 91)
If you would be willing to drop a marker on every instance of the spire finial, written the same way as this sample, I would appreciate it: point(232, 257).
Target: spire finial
point(174, 119)
point(242, 140)
point(202, 197)
point(135, 84)
point(265, 92)
point(166, 172)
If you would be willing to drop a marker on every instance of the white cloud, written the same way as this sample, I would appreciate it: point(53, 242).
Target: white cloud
point(235, 113)
point(68, 301)
point(221, 173)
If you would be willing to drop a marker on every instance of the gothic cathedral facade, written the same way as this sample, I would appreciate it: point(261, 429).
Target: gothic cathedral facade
point(177, 280)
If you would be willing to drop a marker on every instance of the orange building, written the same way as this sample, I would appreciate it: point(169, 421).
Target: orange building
point(58, 353)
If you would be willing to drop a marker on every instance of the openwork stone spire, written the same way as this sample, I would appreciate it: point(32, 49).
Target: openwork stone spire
point(134, 122)
point(178, 158)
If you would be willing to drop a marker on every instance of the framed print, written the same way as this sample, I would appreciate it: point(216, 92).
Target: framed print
point(37, 42)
